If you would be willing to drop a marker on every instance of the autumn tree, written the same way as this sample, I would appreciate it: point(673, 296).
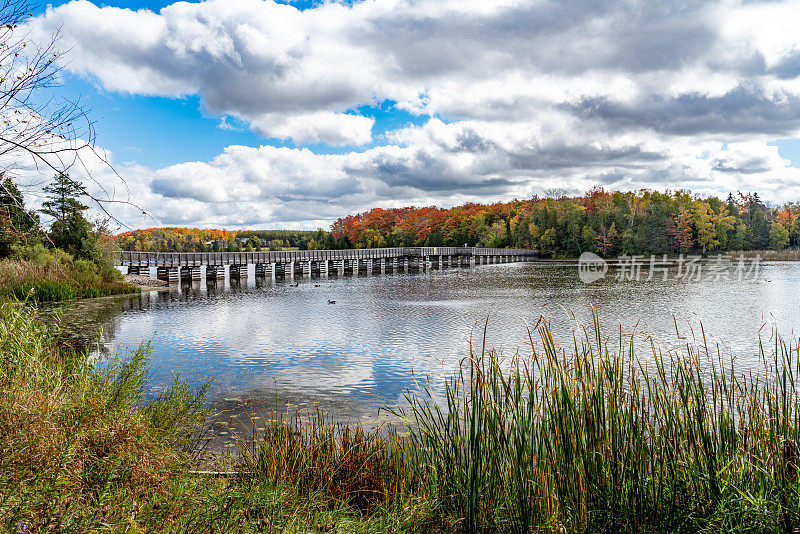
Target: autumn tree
point(680, 231)
point(703, 218)
point(606, 241)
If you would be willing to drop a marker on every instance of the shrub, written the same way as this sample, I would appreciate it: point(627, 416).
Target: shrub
point(75, 453)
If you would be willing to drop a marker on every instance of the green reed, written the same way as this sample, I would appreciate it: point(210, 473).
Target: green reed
point(610, 436)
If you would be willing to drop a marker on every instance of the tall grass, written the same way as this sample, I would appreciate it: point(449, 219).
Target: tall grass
point(350, 464)
point(75, 452)
point(44, 275)
point(604, 435)
point(80, 451)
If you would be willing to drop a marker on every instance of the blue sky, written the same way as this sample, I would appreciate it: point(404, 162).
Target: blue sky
point(159, 131)
point(255, 113)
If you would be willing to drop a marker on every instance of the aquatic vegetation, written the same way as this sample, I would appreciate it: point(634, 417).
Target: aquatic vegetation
point(604, 435)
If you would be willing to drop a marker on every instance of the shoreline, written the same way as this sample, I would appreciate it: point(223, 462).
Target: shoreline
point(145, 283)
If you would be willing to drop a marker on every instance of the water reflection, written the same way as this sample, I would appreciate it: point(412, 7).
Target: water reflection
point(262, 339)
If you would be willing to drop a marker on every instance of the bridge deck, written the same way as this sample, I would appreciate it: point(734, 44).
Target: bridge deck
point(196, 259)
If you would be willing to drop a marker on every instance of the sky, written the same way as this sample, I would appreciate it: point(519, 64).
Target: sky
point(251, 113)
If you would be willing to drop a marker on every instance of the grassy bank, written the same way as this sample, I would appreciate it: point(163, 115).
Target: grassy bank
point(50, 275)
point(597, 435)
point(769, 255)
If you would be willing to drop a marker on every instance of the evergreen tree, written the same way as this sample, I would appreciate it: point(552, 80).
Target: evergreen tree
point(63, 195)
point(70, 230)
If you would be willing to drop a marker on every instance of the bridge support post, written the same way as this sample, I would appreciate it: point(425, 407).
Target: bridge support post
point(264, 270)
point(279, 270)
point(375, 268)
point(330, 267)
point(169, 274)
point(433, 261)
point(190, 273)
point(238, 271)
point(215, 272)
point(139, 271)
point(314, 269)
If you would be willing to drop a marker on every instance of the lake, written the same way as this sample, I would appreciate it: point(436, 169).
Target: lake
point(265, 340)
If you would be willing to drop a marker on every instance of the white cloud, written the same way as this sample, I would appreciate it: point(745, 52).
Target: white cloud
point(316, 127)
point(521, 95)
point(437, 163)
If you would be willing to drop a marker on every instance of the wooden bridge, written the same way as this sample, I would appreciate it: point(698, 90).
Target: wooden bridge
point(176, 266)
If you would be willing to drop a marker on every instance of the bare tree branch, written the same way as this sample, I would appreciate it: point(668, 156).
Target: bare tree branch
point(53, 135)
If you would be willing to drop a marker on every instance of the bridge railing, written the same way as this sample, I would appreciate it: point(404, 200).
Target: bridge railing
point(196, 259)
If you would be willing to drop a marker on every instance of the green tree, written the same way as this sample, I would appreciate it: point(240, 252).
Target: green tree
point(589, 238)
point(17, 225)
point(70, 230)
point(794, 233)
point(778, 236)
point(63, 198)
point(548, 241)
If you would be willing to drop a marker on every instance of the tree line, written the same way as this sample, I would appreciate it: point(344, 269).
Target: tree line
point(609, 223)
point(212, 240)
point(605, 222)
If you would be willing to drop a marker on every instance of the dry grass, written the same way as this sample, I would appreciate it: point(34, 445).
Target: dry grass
point(769, 255)
point(73, 452)
point(53, 275)
point(363, 468)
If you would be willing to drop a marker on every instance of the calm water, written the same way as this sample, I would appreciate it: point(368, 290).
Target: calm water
point(385, 332)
